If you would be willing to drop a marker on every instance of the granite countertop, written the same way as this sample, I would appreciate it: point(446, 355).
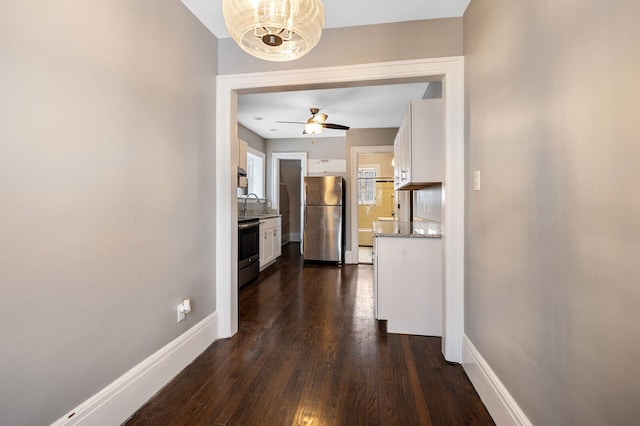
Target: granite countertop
point(426, 229)
point(268, 215)
point(252, 216)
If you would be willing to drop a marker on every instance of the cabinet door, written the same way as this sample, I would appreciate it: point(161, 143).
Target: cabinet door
point(277, 241)
point(263, 251)
point(419, 145)
point(268, 244)
point(427, 141)
point(242, 154)
point(405, 147)
point(396, 161)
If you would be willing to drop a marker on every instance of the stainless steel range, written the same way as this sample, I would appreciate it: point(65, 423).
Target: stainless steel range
point(248, 249)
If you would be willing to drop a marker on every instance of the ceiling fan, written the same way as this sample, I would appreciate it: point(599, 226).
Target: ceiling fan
point(316, 123)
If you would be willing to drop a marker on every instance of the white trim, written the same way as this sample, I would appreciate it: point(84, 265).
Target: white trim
point(275, 181)
point(353, 198)
point(255, 152)
point(118, 401)
point(261, 155)
point(450, 69)
point(503, 408)
point(453, 212)
point(226, 256)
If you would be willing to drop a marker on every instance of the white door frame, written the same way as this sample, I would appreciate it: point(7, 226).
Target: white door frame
point(355, 153)
point(450, 69)
point(275, 182)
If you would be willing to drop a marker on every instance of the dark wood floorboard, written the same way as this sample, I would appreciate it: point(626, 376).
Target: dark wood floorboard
point(309, 352)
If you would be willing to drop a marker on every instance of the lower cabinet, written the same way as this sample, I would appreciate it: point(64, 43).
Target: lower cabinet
point(270, 241)
point(408, 284)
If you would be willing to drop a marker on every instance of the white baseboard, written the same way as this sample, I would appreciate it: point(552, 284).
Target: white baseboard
point(118, 401)
point(503, 408)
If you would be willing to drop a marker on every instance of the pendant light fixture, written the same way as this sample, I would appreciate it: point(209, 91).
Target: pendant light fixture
point(274, 30)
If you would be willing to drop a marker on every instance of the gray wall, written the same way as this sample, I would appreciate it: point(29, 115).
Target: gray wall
point(358, 45)
point(553, 238)
point(434, 90)
point(318, 148)
point(252, 139)
point(106, 189)
point(382, 161)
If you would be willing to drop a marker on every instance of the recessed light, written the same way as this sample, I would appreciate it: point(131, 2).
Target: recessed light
point(258, 118)
point(274, 130)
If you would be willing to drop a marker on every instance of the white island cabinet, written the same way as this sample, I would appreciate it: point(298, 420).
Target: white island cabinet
point(270, 241)
point(408, 284)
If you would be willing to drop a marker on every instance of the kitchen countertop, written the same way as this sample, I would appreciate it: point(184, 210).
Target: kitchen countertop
point(407, 229)
point(242, 218)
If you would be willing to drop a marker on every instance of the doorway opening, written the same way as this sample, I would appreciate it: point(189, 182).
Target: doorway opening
point(448, 70)
point(287, 191)
point(373, 198)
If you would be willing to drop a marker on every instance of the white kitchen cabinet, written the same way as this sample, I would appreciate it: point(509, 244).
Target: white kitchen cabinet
point(270, 241)
point(408, 284)
point(418, 147)
point(242, 154)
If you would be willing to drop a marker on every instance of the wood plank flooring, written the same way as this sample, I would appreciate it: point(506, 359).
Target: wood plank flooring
point(309, 352)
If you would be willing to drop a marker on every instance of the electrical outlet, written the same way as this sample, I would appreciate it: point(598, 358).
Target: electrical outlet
point(183, 309)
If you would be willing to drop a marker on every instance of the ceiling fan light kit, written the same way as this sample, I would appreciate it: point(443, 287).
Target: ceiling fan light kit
point(316, 123)
point(312, 129)
point(274, 30)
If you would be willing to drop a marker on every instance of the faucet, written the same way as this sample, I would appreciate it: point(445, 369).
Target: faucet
point(244, 205)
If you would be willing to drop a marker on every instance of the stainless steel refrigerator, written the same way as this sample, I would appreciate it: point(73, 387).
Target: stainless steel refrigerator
point(324, 219)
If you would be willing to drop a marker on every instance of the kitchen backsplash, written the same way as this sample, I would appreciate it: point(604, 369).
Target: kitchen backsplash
point(253, 208)
point(427, 203)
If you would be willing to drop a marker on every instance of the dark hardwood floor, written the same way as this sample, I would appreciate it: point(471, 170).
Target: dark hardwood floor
point(309, 352)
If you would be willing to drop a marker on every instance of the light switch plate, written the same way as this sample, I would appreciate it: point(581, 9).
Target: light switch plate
point(476, 180)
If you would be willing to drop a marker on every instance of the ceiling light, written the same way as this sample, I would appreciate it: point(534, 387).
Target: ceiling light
point(275, 30)
point(312, 128)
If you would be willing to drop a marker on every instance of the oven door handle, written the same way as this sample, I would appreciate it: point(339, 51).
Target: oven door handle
point(248, 225)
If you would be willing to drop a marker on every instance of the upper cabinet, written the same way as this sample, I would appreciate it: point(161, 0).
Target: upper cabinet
point(418, 147)
point(243, 181)
point(242, 154)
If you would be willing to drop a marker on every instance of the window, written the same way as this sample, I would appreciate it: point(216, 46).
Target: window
point(255, 172)
point(367, 185)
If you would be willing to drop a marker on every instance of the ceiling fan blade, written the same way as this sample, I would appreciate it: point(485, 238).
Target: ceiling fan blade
point(334, 126)
point(291, 122)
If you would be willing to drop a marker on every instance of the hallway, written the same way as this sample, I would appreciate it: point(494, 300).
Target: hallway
point(309, 352)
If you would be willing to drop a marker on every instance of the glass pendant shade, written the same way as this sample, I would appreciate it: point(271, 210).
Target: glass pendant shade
point(312, 128)
point(275, 30)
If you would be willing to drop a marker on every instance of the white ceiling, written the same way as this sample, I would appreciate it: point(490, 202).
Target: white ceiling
point(346, 13)
point(364, 107)
point(356, 107)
